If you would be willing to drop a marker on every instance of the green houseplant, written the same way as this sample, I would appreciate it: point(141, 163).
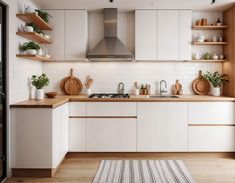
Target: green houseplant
point(217, 80)
point(29, 48)
point(44, 15)
point(39, 82)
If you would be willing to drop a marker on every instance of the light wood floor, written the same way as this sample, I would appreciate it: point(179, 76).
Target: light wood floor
point(82, 167)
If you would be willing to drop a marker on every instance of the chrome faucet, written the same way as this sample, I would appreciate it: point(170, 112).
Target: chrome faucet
point(121, 88)
point(163, 90)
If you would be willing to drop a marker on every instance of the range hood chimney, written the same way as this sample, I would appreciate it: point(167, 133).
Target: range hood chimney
point(110, 48)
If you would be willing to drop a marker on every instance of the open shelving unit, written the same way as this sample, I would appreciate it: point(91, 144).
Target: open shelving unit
point(33, 36)
point(208, 61)
point(34, 18)
point(209, 27)
point(36, 58)
point(209, 43)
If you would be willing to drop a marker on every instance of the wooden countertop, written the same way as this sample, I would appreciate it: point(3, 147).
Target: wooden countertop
point(62, 99)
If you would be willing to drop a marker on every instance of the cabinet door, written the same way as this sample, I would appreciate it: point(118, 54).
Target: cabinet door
point(211, 113)
point(77, 135)
point(64, 119)
point(146, 34)
point(75, 34)
point(56, 49)
point(77, 109)
point(168, 34)
point(162, 127)
point(211, 138)
point(111, 135)
point(185, 34)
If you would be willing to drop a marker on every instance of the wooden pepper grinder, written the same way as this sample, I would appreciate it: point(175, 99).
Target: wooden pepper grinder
point(177, 88)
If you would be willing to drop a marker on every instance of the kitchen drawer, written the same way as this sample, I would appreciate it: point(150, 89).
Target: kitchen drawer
point(111, 109)
point(77, 109)
point(211, 138)
point(211, 113)
point(77, 135)
point(111, 135)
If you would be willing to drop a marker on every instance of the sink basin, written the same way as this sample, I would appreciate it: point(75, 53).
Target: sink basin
point(162, 96)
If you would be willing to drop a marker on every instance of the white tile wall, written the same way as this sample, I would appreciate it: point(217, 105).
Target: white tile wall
point(107, 75)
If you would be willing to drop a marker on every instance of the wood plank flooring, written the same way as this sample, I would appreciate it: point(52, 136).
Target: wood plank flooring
point(82, 167)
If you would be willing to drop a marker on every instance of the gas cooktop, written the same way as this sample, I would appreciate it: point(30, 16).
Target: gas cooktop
point(109, 95)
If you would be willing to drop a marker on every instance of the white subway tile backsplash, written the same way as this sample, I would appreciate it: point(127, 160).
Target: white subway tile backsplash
point(107, 75)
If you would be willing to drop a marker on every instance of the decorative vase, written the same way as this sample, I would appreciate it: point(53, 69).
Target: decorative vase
point(88, 91)
point(31, 52)
point(215, 91)
point(137, 92)
point(39, 94)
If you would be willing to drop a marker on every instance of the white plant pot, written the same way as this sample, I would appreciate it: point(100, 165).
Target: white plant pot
point(39, 94)
point(31, 52)
point(28, 29)
point(28, 9)
point(215, 91)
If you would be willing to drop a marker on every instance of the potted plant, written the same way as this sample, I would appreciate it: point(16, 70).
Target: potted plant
point(44, 15)
point(30, 48)
point(35, 28)
point(39, 82)
point(217, 80)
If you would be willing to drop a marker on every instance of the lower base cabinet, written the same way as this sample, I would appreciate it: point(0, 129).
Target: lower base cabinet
point(77, 135)
point(211, 138)
point(162, 127)
point(111, 135)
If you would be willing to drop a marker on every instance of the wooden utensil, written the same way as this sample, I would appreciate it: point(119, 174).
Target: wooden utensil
point(200, 85)
point(62, 84)
point(72, 86)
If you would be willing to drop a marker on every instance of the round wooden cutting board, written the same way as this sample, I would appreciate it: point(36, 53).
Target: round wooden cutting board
point(71, 85)
point(200, 85)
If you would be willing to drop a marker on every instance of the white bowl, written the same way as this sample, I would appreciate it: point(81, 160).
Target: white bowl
point(215, 57)
point(31, 52)
point(47, 36)
point(28, 29)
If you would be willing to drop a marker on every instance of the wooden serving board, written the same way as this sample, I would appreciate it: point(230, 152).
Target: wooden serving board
point(200, 85)
point(72, 85)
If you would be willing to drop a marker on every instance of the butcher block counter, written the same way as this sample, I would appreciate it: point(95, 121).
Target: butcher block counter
point(62, 99)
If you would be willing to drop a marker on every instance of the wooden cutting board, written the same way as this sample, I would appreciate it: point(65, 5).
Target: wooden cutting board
point(200, 85)
point(71, 85)
point(62, 84)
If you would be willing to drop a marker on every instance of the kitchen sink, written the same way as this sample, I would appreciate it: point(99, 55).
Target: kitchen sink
point(162, 96)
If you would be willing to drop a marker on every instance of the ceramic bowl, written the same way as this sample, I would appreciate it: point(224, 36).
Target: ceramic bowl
point(51, 94)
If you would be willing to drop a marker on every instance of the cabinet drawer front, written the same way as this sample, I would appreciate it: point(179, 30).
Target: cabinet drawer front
point(111, 135)
point(211, 113)
point(211, 138)
point(77, 109)
point(77, 135)
point(111, 109)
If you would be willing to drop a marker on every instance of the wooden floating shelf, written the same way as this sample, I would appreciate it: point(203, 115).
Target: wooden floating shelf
point(209, 43)
point(36, 57)
point(207, 61)
point(209, 27)
point(34, 18)
point(34, 37)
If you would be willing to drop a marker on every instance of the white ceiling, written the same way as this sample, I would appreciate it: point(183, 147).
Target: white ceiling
point(124, 5)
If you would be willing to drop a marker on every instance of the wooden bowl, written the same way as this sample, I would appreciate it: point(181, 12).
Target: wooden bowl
point(51, 94)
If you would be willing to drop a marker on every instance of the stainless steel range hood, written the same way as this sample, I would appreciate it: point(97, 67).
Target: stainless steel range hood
point(110, 48)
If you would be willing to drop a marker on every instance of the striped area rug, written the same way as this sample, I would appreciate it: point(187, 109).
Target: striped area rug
point(142, 171)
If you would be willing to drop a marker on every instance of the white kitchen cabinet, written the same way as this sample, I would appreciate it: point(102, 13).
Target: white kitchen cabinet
point(77, 135)
point(185, 34)
point(211, 112)
point(77, 109)
point(162, 127)
point(69, 34)
point(146, 35)
point(76, 34)
point(211, 139)
point(163, 35)
point(57, 48)
point(39, 137)
point(168, 34)
point(111, 135)
point(111, 109)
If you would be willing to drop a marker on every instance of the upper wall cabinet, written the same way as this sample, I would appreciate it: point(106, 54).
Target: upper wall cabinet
point(163, 35)
point(69, 35)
